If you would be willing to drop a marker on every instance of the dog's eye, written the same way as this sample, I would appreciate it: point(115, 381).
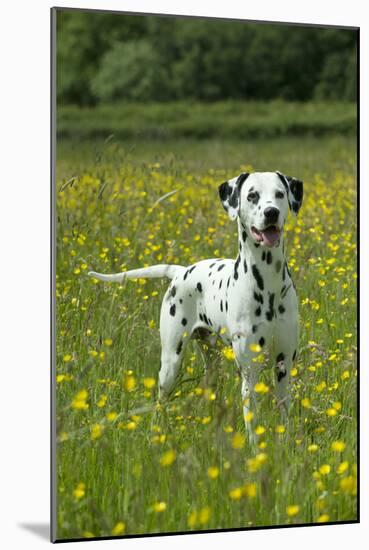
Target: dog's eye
point(252, 196)
point(279, 195)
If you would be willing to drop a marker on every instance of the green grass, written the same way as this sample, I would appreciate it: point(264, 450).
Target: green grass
point(227, 119)
point(108, 343)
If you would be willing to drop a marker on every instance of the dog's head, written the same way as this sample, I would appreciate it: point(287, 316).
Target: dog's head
point(261, 201)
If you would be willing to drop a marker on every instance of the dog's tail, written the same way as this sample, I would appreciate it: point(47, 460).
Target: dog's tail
point(153, 272)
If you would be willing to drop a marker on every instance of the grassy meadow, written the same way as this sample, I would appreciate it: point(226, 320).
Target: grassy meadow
point(127, 465)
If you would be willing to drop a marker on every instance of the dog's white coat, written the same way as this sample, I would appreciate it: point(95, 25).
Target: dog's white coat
point(224, 296)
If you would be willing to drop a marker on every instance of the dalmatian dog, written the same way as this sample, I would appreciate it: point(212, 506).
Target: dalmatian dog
point(249, 303)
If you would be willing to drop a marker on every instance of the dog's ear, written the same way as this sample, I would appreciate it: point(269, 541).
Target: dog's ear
point(230, 194)
point(295, 191)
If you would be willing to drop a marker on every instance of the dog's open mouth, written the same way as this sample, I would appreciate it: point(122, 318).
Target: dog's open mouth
point(269, 236)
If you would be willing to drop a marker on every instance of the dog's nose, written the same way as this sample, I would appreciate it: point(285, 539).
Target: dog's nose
point(271, 214)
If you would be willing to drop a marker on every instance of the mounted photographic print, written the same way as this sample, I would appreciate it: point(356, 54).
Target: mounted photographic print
point(204, 274)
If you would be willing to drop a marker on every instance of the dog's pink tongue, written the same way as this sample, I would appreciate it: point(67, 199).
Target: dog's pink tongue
point(270, 236)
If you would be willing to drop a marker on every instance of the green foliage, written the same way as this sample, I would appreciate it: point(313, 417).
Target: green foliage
point(104, 57)
point(224, 119)
point(114, 475)
point(122, 76)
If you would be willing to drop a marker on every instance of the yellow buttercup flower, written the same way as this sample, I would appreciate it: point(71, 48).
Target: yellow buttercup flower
point(238, 441)
point(129, 383)
point(229, 354)
point(204, 515)
point(338, 446)
point(260, 387)
point(149, 383)
point(343, 467)
point(255, 348)
point(236, 493)
point(159, 507)
point(323, 518)
point(119, 528)
point(259, 430)
point(168, 458)
point(213, 472)
point(292, 510)
point(96, 431)
point(80, 491)
point(325, 469)
point(79, 401)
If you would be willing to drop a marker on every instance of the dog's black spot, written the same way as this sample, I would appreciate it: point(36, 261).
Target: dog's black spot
point(294, 355)
point(212, 265)
point(237, 263)
point(226, 304)
point(179, 347)
point(254, 328)
point(258, 277)
point(190, 295)
point(220, 284)
point(253, 196)
point(245, 266)
point(224, 190)
point(281, 309)
point(180, 301)
point(263, 256)
point(221, 306)
point(192, 268)
point(296, 188)
point(269, 257)
point(229, 280)
point(258, 297)
point(280, 357)
point(281, 373)
point(261, 341)
point(241, 179)
point(205, 319)
point(173, 291)
point(283, 290)
point(270, 313)
point(221, 267)
point(172, 310)
point(184, 321)
point(209, 274)
point(201, 317)
point(278, 266)
point(244, 236)
point(199, 287)
point(239, 246)
point(258, 311)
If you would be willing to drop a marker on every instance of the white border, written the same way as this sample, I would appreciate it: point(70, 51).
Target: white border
point(24, 231)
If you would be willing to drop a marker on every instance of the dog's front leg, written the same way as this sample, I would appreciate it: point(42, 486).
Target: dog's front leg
point(282, 377)
point(250, 371)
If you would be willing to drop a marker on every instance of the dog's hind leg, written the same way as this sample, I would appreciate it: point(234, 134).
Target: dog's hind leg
point(174, 339)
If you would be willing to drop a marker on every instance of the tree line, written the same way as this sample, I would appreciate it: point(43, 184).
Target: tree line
point(107, 57)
